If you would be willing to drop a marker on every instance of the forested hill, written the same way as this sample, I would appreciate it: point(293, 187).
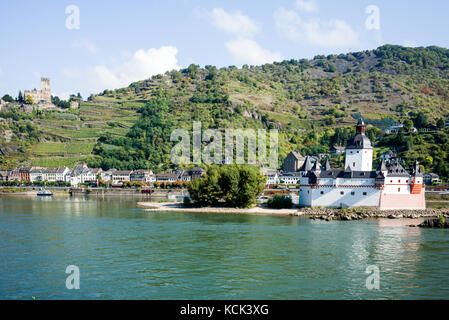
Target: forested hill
point(314, 104)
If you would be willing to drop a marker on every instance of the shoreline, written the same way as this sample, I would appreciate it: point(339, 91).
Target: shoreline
point(312, 213)
point(178, 207)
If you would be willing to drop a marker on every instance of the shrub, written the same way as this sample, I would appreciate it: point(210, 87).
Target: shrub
point(187, 202)
point(280, 202)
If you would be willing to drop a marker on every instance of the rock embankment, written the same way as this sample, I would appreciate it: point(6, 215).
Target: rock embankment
point(435, 223)
point(359, 214)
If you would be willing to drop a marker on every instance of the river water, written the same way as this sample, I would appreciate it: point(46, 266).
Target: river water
point(123, 252)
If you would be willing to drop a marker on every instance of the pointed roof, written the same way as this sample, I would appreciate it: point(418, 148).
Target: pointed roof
point(361, 122)
point(327, 166)
point(307, 166)
point(416, 170)
point(297, 155)
point(316, 166)
point(382, 166)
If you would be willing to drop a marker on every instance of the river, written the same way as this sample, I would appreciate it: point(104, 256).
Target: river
point(123, 252)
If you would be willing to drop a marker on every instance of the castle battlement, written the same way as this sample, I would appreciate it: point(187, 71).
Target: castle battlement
point(41, 96)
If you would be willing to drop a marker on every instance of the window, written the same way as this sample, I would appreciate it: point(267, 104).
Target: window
point(364, 193)
point(358, 151)
point(322, 192)
point(342, 193)
point(353, 193)
point(353, 164)
point(399, 189)
point(399, 181)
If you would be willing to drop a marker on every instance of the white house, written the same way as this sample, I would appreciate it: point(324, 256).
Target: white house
point(290, 178)
point(61, 174)
point(166, 177)
point(120, 176)
point(36, 175)
point(272, 178)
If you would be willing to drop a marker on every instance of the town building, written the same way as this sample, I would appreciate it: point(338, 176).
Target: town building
point(395, 127)
point(36, 175)
point(293, 162)
point(389, 187)
point(388, 155)
point(431, 178)
point(61, 174)
point(5, 175)
point(120, 176)
point(272, 178)
point(289, 178)
point(141, 176)
point(166, 177)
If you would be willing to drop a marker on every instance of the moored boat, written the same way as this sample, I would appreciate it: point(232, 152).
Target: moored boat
point(44, 193)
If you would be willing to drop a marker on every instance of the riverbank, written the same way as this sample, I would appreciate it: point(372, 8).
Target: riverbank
point(369, 213)
point(313, 213)
point(179, 207)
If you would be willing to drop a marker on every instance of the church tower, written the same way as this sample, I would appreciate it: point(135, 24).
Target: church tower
point(359, 152)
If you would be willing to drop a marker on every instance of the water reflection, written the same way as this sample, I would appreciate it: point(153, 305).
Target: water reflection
point(125, 252)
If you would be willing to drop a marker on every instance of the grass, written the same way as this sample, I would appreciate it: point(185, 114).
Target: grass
point(65, 148)
point(57, 162)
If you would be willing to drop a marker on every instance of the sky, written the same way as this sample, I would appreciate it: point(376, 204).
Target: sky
point(88, 46)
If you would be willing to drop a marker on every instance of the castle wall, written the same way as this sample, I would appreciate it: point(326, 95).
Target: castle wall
point(347, 193)
point(402, 201)
point(41, 95)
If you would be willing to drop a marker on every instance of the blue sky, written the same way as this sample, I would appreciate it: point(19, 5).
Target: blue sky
point(123, 41)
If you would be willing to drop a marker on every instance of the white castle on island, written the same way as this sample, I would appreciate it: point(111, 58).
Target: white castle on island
point(390, 187)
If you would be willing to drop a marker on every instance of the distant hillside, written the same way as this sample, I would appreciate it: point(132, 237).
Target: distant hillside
point(305, 99)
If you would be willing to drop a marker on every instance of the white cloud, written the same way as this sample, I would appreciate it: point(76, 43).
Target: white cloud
point(307, 6)
point(248, 51)
point(84, 44)
point(232, 23)
point(334, 33)
point(142, 65)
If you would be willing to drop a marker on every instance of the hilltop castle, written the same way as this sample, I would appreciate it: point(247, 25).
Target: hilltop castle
point(41, 96)
point(389, 187)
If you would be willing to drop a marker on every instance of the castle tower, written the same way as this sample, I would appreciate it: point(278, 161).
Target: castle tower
point(417, 179)
point(45, 82)
point(359, 152)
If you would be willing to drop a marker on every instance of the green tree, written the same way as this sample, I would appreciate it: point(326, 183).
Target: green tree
point(420, 120)
point(408, 124)
point(440, 123)
point(29, 100)
point(20, 97)
point(7, 98)
point(233, 186)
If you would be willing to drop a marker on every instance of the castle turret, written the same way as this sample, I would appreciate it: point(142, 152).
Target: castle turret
point(361, 126)
point(327, 166)
point(417, 179)
point(359, 152)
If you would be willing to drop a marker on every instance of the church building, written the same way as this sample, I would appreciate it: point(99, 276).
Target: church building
point(390, 187)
